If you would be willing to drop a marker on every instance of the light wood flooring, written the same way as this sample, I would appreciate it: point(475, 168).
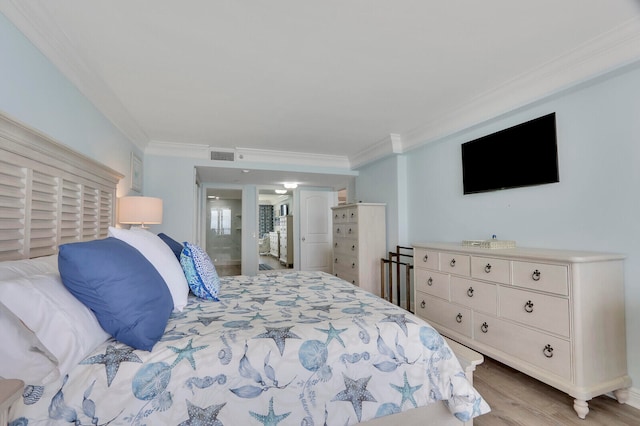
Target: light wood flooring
point(227, 270)
point(517, 399)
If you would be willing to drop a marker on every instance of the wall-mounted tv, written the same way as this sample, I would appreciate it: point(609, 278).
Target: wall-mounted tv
point(522, 155)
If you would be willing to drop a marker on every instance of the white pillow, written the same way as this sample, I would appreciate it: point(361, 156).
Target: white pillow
point(65, 327)
point(23, 356)
point(28, 267)
point(161, 257)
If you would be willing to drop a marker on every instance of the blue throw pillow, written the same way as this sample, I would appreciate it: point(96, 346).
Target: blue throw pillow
point(175, 246)
point(127, 294)
point(200, 272)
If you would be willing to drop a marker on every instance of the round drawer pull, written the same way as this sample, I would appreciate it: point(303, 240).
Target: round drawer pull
point(470, 292)
point(353, 282)
point(548, 351)
point(344, 215)
point(487, 268)
point(349, 230)
point(335, 245)
point(459, 318)
point(425, 258)
point(484, 327)
point(528, 306)
point(353, 248)
point(423, 304)
point(352, 215)
point(337, 230)
point(430, 281)
point(353, 265)
point(452, 263)
point(335, 260)
point(536, 275)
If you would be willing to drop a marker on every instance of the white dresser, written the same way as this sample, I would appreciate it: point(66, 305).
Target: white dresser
point(286, 239)
point(274, 244)
point(359, 242)
point(555, 315)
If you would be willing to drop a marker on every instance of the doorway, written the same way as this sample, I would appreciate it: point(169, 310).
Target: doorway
point(223, 233)
point(276, 245)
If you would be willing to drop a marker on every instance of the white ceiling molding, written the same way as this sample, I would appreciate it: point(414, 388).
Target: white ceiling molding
point(291, 158)
point(613, 50)
point(31, 20)
point(175, 149)
point(389, 145)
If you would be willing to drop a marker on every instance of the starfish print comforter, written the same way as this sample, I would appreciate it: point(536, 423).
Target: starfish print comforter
point(295, 348)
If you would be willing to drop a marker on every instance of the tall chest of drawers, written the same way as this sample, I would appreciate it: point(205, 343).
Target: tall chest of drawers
point(359, 242)
point(555, 315)
point(286, 240)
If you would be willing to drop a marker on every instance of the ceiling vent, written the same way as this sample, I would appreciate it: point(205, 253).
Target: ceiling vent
point(223, 155)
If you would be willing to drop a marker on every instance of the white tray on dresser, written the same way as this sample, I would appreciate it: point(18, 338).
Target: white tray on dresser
point(556, 315)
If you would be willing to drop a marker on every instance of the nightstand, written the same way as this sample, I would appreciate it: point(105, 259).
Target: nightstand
point(10, 390)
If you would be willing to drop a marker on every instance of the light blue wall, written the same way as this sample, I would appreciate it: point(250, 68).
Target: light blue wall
point(595, 206)
point(34, 92)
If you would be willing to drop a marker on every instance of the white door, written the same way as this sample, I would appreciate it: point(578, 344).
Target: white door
point(315, 230)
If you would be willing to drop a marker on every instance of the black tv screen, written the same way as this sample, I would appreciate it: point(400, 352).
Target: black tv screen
point(523, 155)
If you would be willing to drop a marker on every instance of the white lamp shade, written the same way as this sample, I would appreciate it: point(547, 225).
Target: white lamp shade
point(140, 210)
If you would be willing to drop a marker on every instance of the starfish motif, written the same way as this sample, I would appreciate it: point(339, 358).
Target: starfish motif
point(333, 333)
point(186, 353)
point(355, 392)
point(279, 335)
point(258, 316)
point(324, 308)
point(260, 300)
point(202, 416)
point(399, 319)
point(208, 320)
point(112, 359)
point(271, 419)
point(407, 391)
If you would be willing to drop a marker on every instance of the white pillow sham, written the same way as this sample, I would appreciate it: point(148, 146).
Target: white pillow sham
point(28, 267)
point(161, 257)
point(63, 326)
point(23, 356)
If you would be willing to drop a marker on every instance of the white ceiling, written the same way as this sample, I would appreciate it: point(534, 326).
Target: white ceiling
point(355, 79)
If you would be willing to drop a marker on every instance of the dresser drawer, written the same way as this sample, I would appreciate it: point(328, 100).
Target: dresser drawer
point(352, 215)
point(340, 215)
point(425, 258)
point(541, 276)
point(345, 262)
point(454, 317)
point(455, 263)
point(345, 246)
point(550, 313)
point(345, 230)
point(542, 350)
point(475, 294)
point(431, 282)
point(491, 269)
point(347, 275)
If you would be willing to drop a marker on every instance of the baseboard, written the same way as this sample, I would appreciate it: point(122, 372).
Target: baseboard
point(634, 398)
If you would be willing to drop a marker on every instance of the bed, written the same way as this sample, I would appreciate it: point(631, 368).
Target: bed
point(290, 347)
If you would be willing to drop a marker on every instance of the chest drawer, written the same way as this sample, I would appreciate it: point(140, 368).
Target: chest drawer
point(542, 350)
point(345, 246)
point(491, 269)
point(345, 230)
point(345, 262)
point(550, 313)
point(438, 311)
point(431, 282)
point(475, 294)
point(541, 276)
point(425, 258)
point(347, 275)
point(455, 263)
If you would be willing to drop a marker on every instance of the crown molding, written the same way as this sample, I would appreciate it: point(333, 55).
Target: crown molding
point(607, 53)
point(32, 20)
point(389, 145)
point(176, 149)
point(291, 158)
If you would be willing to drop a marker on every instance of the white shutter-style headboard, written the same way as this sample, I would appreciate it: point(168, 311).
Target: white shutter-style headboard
point(49, 194)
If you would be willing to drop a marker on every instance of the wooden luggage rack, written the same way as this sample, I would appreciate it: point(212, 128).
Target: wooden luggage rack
point(386, 284)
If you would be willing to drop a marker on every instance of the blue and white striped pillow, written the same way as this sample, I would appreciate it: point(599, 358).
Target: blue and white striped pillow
point(200, 273)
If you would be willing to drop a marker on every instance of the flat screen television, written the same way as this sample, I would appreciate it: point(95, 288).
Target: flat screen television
point(522, 155)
